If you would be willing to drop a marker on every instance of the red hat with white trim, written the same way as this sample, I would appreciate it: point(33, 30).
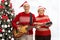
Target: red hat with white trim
point(40, 7)
point(24, 3)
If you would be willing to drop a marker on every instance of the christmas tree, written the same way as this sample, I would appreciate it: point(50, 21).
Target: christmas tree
point(6, 16)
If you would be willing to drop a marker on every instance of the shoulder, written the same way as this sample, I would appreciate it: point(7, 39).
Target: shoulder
point(20, 13)
point(37, 16)
point(32, 14)
point(46, 16)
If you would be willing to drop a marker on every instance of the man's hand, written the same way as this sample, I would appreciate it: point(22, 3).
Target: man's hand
point(38, 23)
point(18, 28)
point(43, 29)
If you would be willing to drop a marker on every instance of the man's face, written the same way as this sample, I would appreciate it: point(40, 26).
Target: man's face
point(41, 11)
point(26, 7)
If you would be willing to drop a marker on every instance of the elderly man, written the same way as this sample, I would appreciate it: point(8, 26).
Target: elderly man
point(24, 19)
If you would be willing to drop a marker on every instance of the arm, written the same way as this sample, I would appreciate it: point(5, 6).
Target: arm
point(14, 21)
point(49, 23)
point(34, 19)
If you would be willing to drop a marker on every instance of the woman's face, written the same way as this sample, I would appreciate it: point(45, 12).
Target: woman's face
point(41, 11)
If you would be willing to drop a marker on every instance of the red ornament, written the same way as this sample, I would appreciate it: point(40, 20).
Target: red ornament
point(4, 17)
point(1, 6)
point(10, 5)
point(0, 30)
point(2, 1)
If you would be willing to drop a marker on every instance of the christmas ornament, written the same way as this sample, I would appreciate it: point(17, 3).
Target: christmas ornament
point(2, 1)
point(3, 30)
point(8, 20)
point(6, 3)
point(6, 16)
point(0, 35)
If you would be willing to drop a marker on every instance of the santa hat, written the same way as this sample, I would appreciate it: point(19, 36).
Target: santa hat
point(24, 3)
point(1, 6)
point(41, 7)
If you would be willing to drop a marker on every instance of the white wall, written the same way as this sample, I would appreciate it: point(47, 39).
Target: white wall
point(52, 9)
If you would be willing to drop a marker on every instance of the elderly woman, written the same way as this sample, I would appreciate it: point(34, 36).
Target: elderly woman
point(43, 23)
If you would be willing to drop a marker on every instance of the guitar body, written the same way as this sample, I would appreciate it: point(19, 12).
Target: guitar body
point(22, 31)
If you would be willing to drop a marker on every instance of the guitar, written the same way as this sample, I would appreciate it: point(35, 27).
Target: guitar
point(24, 29)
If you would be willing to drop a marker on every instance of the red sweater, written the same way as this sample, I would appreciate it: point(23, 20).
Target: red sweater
point(23, 19)
point(43, 19)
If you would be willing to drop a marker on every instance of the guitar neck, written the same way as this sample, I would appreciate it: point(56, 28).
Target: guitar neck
point(30, 27)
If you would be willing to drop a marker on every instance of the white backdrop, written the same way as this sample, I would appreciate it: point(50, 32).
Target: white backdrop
point(52, 9)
